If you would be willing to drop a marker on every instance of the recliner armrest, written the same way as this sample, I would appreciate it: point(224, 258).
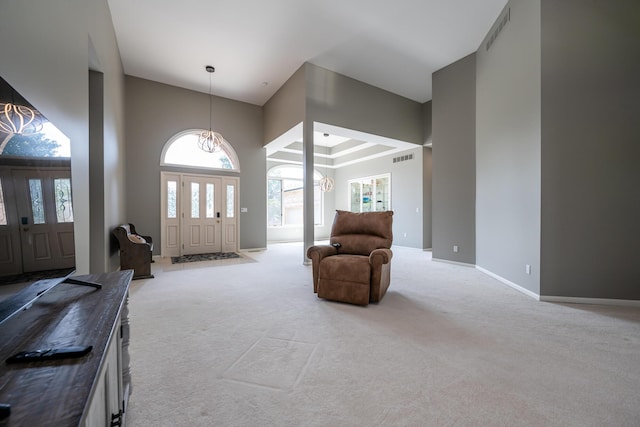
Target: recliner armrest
point(321, 251)
point(380, 256)
point(316, 254)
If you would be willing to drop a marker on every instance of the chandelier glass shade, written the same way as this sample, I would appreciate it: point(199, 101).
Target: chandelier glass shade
point(326, 184)
point(210, 141)
point(19, 119)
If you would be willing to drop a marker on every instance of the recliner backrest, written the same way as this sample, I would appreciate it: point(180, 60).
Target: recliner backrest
point(361, 233)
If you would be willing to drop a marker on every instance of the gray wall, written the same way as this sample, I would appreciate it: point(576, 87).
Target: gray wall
point(406, 194)
point(508, 148)
point(427, 198)
point(99, 240)
point(591, 149)
point(46, 58)
point(454, 169)
point(338, 100)
point(155, 113)
point(286, 108)
point(427, 175)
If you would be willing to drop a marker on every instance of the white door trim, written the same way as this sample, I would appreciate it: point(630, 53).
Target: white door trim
point(171, 229)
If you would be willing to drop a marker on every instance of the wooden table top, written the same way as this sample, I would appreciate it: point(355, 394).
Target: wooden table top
point(56, 392)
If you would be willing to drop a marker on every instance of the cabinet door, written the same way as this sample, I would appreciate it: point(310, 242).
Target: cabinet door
point(104, 408)
point(113, 378)
point(97, 413)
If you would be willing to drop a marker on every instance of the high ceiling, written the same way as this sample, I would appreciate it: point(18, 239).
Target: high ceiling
point(256, 45)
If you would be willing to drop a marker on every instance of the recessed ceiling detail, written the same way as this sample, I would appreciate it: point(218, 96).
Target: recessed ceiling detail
point(343, 147)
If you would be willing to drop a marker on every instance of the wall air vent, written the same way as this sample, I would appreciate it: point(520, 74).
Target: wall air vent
point(503, 23)
point(403, 158)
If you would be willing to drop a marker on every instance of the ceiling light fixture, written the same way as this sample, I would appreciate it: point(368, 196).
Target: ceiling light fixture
point(210, 141)
point(19, 119)
point(326, 183)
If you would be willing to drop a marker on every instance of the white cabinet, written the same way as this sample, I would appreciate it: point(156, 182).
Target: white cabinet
point(370, 194)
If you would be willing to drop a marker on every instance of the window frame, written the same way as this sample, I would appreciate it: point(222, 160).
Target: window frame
point(316, 186)
point(227, 148)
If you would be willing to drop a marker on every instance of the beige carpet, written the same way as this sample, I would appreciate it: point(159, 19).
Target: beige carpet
point(249, 344)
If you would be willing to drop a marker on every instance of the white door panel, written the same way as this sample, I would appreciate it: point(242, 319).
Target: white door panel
point(201, 214)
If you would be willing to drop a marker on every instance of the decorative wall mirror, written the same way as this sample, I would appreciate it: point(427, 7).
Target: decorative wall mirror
point(36, 209)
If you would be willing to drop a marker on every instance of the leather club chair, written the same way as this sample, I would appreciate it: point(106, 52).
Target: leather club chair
point(356, 266)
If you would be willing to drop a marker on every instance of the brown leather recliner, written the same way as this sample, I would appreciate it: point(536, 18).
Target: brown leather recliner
point(356, 266)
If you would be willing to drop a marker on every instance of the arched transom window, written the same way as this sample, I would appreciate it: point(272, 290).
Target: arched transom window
point(182, 150)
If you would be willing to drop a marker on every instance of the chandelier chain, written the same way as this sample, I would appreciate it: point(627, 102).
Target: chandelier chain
point(210, 141)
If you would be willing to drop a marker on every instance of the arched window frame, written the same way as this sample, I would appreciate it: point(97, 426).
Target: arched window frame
point(227, 148)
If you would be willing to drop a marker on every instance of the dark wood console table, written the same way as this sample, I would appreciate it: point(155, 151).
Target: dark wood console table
point(92, 390)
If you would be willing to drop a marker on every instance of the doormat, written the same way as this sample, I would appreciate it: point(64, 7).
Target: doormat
point(203, 257)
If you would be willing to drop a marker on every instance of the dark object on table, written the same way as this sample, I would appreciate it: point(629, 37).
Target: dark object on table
point(49, 354)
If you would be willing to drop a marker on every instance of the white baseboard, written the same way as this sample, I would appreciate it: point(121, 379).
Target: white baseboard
point(598, 301)
point(253, 250)
point(510, 284)
point(447, 261)
point(569, 300)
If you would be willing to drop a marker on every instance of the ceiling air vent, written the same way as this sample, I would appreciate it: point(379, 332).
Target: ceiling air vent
point(403, 158)
point(503, 23)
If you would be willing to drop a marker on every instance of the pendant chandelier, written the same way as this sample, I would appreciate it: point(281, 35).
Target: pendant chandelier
point(208, 140)
point(19, 119)
point(326, 183)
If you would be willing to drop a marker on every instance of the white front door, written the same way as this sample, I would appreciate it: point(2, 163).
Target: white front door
point(200, 214)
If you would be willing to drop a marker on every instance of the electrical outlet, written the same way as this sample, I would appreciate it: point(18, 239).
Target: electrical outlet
point(455, 248)
point(527, 269)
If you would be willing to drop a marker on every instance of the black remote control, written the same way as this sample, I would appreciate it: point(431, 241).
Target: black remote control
point(50, 354)
point(5, 410)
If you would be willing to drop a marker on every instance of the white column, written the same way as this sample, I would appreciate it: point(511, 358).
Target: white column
point(307, 165)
